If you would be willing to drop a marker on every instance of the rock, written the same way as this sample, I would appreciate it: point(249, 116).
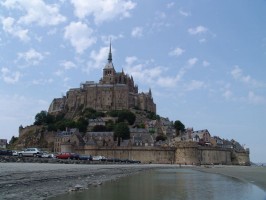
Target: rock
point(78, 187)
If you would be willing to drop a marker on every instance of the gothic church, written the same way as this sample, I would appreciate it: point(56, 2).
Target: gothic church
point(115, 91)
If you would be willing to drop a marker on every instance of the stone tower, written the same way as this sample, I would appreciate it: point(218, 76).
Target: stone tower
point(109, 70)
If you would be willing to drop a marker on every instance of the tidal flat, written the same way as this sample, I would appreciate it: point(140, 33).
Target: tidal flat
point(46, 180)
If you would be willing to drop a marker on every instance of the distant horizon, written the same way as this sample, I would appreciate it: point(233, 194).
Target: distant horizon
point(203, 60)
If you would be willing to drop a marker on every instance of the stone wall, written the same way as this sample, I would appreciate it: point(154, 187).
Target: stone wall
point(183, 153)
point(27, 129)
point(187, 154)
point(240, 158)
point(215, 156)
point(145, 155)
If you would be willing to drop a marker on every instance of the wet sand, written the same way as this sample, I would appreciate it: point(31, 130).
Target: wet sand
point(252, 174)
point(43, 180)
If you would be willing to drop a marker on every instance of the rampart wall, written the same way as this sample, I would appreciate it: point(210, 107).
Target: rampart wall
point(186, 153)
point(145, 155)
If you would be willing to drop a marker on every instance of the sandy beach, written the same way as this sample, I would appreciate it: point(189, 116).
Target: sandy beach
point(252, 174)
point(43, 180)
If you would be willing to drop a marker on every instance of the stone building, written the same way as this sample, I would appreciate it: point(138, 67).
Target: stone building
point(67, 137)
point(3, 143)
point(115, 91)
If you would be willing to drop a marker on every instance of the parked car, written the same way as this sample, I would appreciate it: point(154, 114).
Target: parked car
point(130, 161)
point(35, 152)
point(85, 157)
point(14, 152)
point(99, 158)
point(68, 155)
point(47, 155)
point(113, 160)
point(6, 152)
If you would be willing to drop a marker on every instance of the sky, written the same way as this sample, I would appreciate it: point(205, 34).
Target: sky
point(204, 60)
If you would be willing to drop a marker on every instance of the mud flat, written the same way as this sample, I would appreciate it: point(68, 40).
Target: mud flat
point(252, 174)
point(44, 180)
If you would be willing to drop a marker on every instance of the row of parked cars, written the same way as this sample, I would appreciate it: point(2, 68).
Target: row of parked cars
point(75, 156)
point(35, 152)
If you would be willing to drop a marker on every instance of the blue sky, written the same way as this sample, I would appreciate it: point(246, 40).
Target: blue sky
point(203, 59)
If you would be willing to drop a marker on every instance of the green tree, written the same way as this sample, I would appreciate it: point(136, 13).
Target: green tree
point(82, 124)
point(179, 127)
point(161, 137)
point(126, 115)
point(99, 128)
point(121, 131)
point(40, 118)
point(13, 140)
point(43, 118)
point(153, 116)
point(110, 125)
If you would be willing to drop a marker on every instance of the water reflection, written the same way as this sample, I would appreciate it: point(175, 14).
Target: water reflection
point(171, 184)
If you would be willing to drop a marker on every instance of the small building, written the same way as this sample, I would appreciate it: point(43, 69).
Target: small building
point(204, 136)
point(142, 138)
point(63, 137)
point(3, 143)
point(99, 138)
point(217, 141)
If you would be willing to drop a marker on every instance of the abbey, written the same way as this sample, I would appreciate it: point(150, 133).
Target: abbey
point(115, 91)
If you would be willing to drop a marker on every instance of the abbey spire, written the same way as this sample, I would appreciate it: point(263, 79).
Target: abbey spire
point(110, 53)
point(109, 64)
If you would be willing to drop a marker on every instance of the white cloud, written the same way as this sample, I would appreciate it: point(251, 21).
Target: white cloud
point(194, 85)
point(197, 30)
point(237, 74)
point(167, 81)
point(255, 99)
point(184, 13)
point(103, 10)
point(98, 59)
point(36, 12)
point(205, 63)
point(80, 36)
point(59, 73)
point(10, 77)
point(68, 65)
point(156, 75)
point(137, 32)
point(32, 57)
point(202, 40)
point(176, 52)
point(13, 29)
point(141, 71)
point(106, 38)
point(192, 61)
point(227, 94)
point(170, 5)
point(42, 81)
point(130, 60)
point(151, 75)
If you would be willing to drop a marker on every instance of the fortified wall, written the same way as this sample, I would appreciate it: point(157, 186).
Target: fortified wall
point(191, 153)
point(144, 154)
point(183, 153)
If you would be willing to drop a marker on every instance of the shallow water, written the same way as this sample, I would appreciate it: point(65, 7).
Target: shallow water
point(170, 184)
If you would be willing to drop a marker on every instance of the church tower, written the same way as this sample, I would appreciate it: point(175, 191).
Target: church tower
point(109, 70)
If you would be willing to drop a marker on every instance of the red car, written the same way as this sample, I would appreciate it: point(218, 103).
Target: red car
point(68, 156)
